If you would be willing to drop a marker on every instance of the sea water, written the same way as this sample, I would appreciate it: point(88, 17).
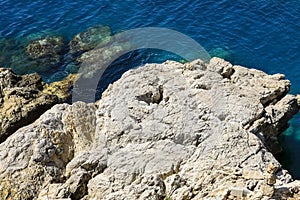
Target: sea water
point(262, 34)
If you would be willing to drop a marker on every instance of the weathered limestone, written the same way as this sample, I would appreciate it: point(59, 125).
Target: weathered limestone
point(163, 131)
point(36, 156)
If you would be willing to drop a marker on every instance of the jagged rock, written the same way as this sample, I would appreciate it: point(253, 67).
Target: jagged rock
point(274, 121)
point(36, 156)
point(22, 101)
point(24, 98)
point(163, 131)
point(61, 89)
point(90, 39)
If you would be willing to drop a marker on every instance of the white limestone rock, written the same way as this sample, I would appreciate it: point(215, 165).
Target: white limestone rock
point(163, 131)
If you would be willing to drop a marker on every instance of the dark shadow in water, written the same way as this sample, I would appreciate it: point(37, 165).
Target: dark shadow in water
point(290, 141)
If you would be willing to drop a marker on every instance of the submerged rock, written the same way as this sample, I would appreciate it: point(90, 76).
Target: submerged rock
point(24, 98)
point(222, 53)
point(51, 47)
point(90, 39)
point(98, 59)
point(8, 48)
point(163, 131)
point(40, 55)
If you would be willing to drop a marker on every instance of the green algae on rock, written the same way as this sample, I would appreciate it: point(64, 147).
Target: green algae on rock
point(48, 47)
point(90, 39)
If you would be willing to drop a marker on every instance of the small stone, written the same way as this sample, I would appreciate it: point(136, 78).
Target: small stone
point(271, 168)
point(267, 190)
point(270, 179)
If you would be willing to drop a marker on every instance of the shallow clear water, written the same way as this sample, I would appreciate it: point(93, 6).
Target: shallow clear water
point(262, 34)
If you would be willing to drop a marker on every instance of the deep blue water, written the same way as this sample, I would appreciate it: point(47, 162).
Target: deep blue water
point(262, 34)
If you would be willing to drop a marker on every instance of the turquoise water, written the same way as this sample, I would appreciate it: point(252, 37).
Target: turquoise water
point(262, 34)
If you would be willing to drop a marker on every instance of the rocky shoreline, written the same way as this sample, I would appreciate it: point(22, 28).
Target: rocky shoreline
point(163, 131)
point(24, 98)
point(53, 56)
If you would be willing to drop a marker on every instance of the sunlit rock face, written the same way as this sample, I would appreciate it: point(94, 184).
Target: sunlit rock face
point(163, 131)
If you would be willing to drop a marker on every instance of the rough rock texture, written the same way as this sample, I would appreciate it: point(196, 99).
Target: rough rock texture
point(51, 47)
point(61, 88)
point(24, 98)
point(40, 55)
point(163, 131)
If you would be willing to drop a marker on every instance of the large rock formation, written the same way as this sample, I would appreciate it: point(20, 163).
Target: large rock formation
point(163, 131)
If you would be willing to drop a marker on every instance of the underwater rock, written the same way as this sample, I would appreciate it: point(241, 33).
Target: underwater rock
point(98, 58)
point(222, 53)
point(8, 48)
point(41, 55)
point(51, 47)
point(90, 39)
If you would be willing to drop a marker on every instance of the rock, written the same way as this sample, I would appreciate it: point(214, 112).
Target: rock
point(41, 56)
point(8, 47)
point(287, 191)
point(270, 174)
point(90, 39)
point(51, 47)
point(61, 89)
point(75, 187)
point(222, 67)
point(151, 97)
point(163, 131)
point(274, 121)
point(24, 98)
point(35, 157)
point(98, 58)
point(267, 190)
point(131, 165)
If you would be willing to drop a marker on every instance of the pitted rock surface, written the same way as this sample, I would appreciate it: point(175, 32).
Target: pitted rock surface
point(163, 131)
